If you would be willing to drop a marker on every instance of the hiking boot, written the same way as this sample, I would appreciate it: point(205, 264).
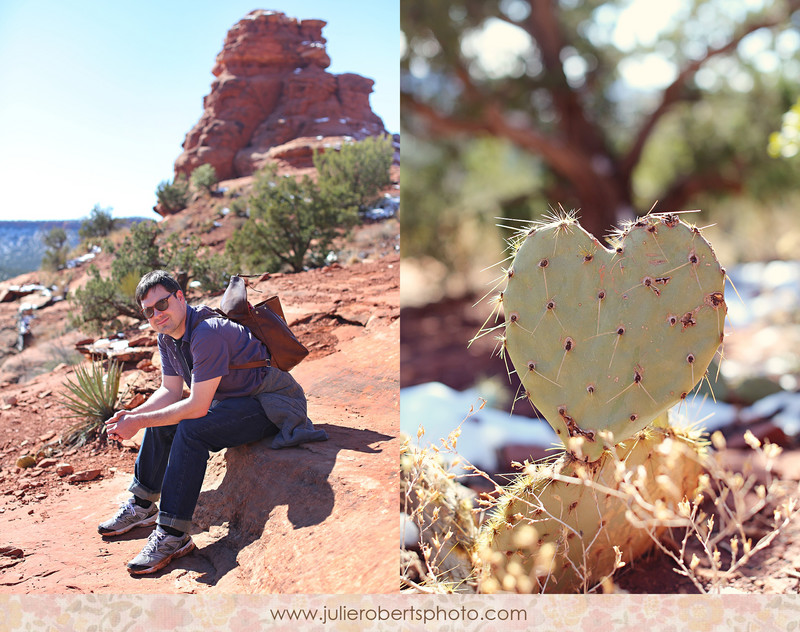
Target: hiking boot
point(160, 550)
point(128, 516)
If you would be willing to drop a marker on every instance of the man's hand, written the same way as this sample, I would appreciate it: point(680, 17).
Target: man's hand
point(126, 423)
point(123, 425)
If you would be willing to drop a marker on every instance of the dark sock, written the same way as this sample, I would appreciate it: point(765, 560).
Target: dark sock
point(142, 502)
point(171, 530)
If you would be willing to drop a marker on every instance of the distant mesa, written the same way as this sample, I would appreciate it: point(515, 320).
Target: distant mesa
point(272, 99)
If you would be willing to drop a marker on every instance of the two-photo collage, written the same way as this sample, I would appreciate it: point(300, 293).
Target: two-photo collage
point(400, 314)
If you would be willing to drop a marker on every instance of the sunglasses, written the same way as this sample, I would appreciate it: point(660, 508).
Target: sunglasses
point(161, 306)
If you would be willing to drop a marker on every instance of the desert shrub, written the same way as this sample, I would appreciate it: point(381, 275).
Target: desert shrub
point(102, 300)
point(98, 305)
point(204, 178)
point(92, 399)
point(173, 196)
point(358, 169)
point(213, 272)
point(239, 207)
point(139, 251)
point(55, 255)
point(292, 223)
point(99, 224)
point(186, 257)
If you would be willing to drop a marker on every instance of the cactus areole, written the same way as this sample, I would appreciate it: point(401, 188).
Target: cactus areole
point(604, 340)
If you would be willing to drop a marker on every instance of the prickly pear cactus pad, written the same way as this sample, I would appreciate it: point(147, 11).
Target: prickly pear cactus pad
point(565, 526)
point(604, 340)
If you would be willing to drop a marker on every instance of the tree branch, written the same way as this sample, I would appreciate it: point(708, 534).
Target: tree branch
point(691, 185)
point(567, 162)
point(598, 193)
point(672, 93)
point(578, 129)
point(441, 124)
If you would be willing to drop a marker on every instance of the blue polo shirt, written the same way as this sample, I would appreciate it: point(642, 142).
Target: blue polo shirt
point(210, 344)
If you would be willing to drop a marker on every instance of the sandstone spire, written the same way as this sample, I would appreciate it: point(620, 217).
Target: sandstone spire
point(271, 88)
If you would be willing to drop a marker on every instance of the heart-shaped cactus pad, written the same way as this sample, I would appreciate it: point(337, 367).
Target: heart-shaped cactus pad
point(607, 339)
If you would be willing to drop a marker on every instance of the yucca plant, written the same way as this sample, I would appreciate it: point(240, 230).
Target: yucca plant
point(92, 399)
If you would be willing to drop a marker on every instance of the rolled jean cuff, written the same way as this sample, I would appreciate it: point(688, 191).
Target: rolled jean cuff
point(137, 489)
point(168, 520)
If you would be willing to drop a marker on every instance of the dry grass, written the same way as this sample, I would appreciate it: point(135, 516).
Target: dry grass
point(708, 537)
point(719, 519)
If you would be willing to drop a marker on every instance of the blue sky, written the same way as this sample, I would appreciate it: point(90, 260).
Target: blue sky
point(98, 96)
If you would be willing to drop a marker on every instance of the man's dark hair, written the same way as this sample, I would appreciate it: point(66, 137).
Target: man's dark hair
point(151, 279)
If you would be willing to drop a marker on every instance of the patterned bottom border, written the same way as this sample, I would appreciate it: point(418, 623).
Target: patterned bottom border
point(601, 613)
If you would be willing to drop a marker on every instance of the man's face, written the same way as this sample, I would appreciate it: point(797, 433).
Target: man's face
point(172, 319)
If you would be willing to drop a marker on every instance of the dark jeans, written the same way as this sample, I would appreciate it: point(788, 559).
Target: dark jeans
point(172, 460)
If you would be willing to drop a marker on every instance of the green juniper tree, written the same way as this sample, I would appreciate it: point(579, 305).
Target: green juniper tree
point(99, 224)
point(292, 222)
point(204, 178)
point(555, 84)
point(57, 249)
point(361, 168)
point(173, 196)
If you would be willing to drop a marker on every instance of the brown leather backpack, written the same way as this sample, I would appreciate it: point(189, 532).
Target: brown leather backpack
point(267, 322)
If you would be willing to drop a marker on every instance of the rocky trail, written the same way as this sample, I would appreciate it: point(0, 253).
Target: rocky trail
point(318, 518)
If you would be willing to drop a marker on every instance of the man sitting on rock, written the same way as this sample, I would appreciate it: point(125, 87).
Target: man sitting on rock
point(226, 407)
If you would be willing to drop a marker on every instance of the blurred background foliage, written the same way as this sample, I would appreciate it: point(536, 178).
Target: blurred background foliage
point(513, 107)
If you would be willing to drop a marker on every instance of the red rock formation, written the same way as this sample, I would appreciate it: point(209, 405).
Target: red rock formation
point(271, 88)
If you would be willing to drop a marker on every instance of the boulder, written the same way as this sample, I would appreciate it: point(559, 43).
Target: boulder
point(316, 518)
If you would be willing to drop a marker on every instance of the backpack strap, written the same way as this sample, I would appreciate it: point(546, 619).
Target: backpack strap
point(208, 312)
point(251, 365)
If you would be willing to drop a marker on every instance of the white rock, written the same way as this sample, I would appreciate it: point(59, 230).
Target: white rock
point(440, 409)
point(782, 408)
